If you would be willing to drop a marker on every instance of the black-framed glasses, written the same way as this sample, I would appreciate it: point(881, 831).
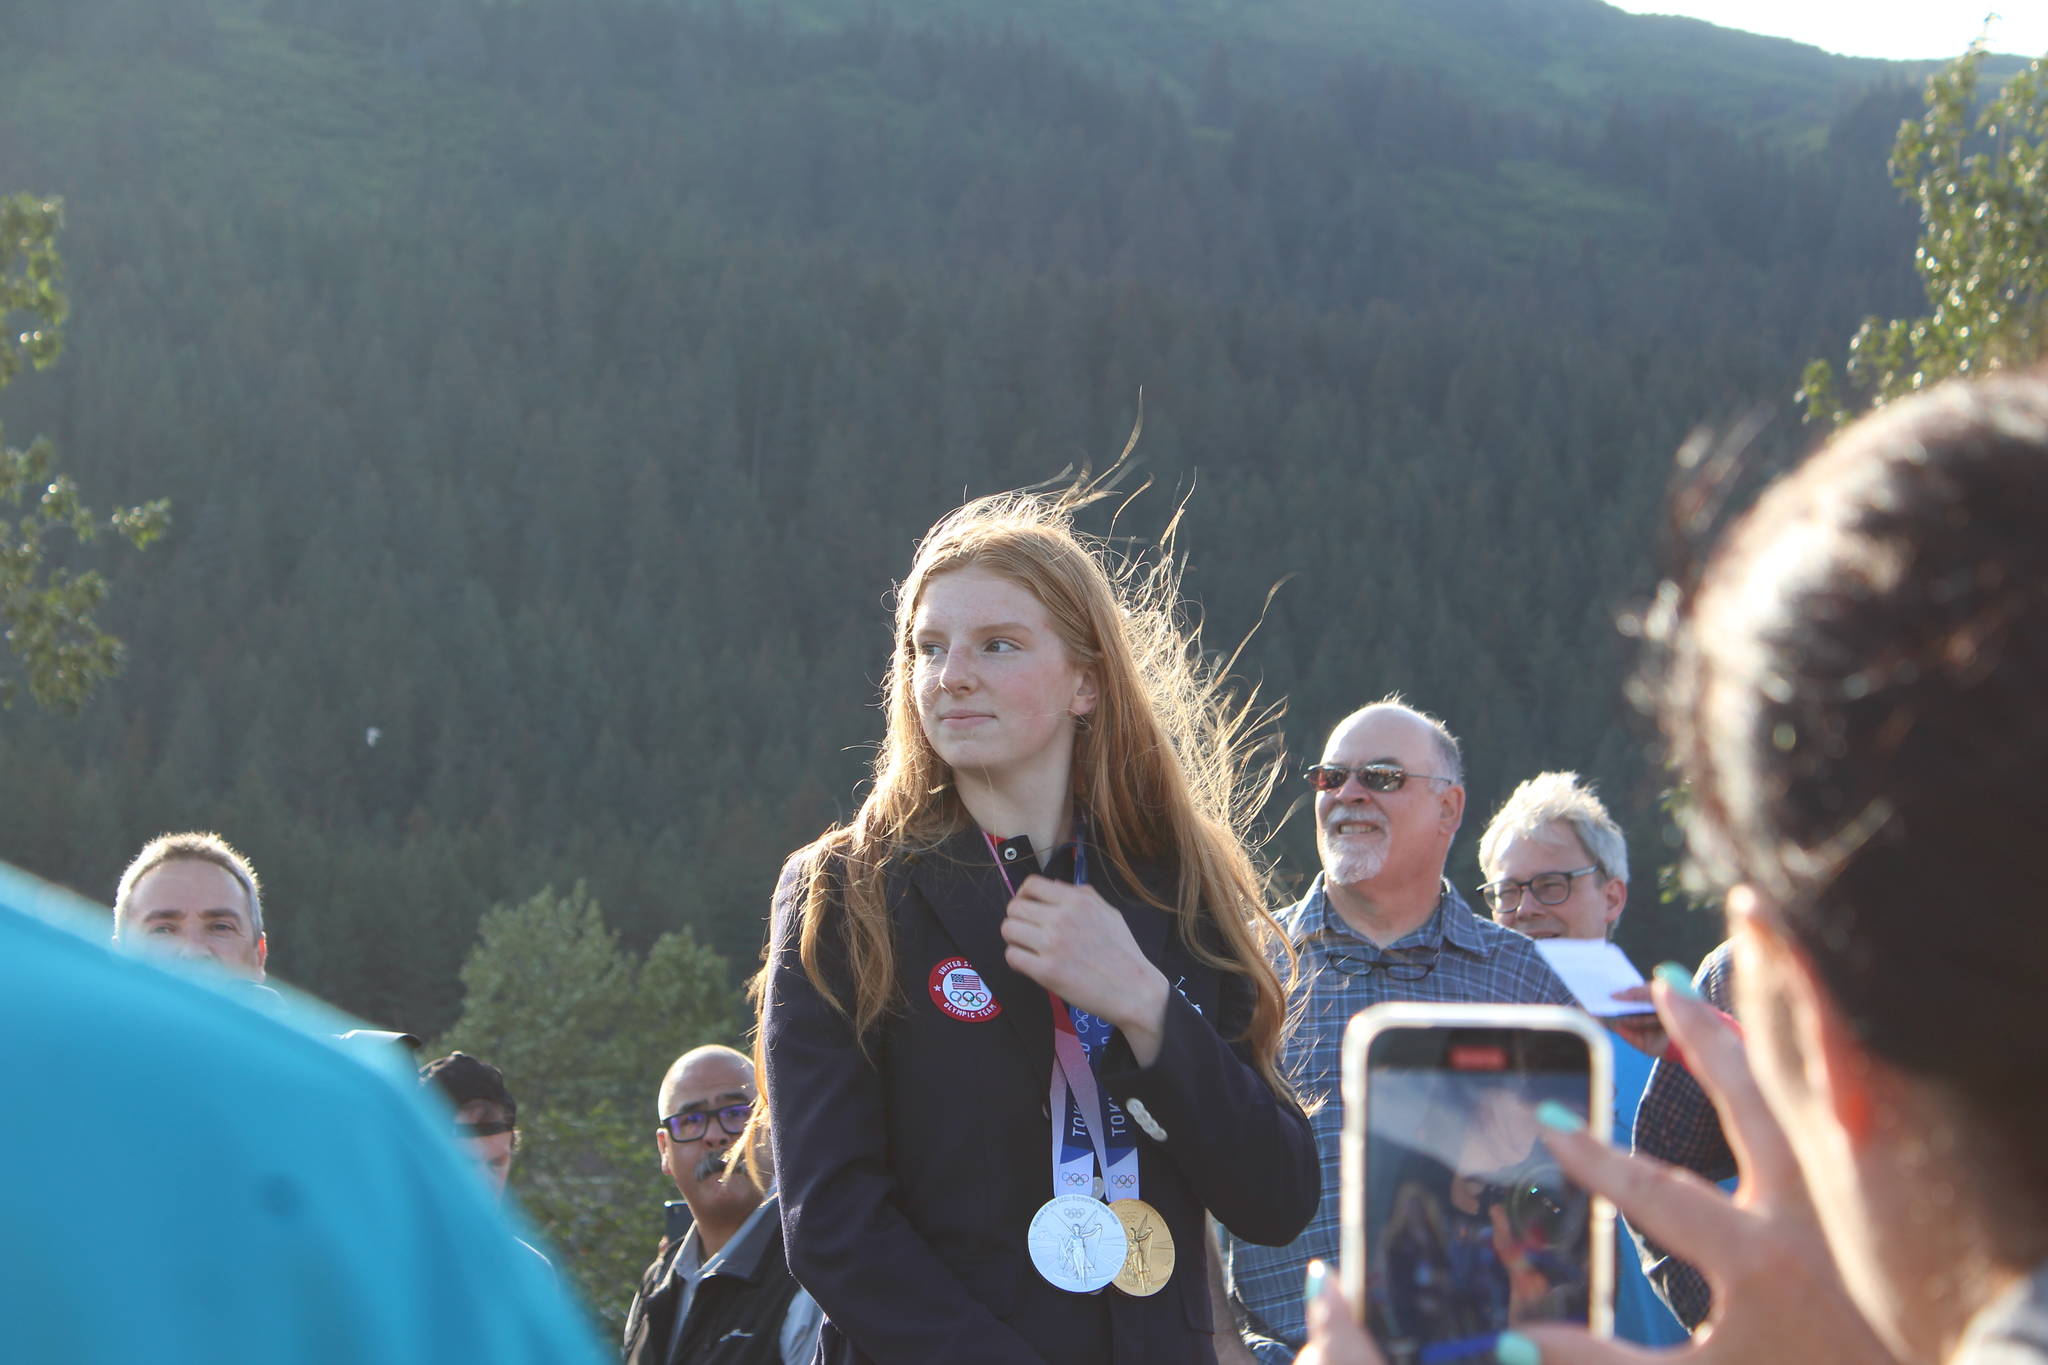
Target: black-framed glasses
point(1354, 958)
point(1377, 777)
point(1549, 888)
point(692, 1124)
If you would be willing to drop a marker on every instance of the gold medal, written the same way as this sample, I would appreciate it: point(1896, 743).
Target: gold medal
point(1148, 1265)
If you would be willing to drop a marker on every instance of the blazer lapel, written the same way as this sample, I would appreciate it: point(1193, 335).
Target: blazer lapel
point(959, 884)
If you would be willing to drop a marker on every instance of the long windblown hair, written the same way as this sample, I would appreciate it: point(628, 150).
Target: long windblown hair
point(1167, 765)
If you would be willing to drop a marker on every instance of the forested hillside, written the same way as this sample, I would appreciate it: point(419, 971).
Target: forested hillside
point(552, 390)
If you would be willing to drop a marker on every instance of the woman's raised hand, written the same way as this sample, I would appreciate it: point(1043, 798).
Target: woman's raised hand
point(1778, 1299)
point(1075, 944)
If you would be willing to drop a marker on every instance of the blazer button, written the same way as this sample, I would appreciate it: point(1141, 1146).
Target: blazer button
point(1149, 1125)
point(1045, 1108)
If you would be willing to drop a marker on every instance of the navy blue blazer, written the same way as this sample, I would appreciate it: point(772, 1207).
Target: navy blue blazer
point(910, 1174)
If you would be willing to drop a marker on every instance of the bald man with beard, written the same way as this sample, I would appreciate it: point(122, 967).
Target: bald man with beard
point(722, 1294)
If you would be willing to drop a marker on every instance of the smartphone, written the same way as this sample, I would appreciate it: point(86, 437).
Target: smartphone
point(675, 1219)
point(1457, 1223)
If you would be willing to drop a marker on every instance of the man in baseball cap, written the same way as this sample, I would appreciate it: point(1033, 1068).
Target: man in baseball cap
point(486, 1115)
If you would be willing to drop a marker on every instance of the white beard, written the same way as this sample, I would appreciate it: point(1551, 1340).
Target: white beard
point(1354, 860)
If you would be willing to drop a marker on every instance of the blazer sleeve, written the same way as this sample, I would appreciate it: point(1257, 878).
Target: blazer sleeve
point(879, 1282)
point(1248, 1153)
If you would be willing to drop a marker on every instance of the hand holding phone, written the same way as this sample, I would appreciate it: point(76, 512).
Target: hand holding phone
point(1458, 1222)
point(1779, 1299)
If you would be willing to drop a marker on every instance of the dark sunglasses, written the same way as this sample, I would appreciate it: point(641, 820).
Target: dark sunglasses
point(692, 1124)
point(1377, 777)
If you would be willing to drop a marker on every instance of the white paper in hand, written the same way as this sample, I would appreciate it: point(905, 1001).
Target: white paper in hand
point(1593, 970)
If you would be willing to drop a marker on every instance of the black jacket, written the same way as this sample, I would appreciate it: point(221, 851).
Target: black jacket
point(908, 1178)
point(737, 1315)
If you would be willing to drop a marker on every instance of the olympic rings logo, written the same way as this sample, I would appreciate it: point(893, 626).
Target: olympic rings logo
point(1074, 1178)
point(1126, 1180)
point(961, 992)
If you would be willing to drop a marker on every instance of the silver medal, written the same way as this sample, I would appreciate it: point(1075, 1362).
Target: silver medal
point(1077, 1244)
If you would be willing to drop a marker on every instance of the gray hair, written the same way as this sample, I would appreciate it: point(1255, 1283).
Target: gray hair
point(1556, 799)
point(197, 847)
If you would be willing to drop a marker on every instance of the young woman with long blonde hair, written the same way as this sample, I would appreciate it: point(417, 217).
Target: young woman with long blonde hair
point(1019, 1019)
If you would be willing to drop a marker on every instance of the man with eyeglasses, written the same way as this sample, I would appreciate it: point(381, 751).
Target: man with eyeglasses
point(1379, 923)
point(1556, 866)
point(1554, 860)
point(722, 1294)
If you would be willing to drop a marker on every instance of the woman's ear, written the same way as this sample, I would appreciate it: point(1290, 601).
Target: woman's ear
point(1842, 1072)
point(1084, 694)
point(1811, 1042)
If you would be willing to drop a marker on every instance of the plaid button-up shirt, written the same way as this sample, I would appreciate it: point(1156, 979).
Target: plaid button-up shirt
point(1677, 1124)
point(1476, 962)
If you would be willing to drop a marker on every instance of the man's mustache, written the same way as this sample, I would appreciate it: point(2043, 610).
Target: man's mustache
point(710, 1164)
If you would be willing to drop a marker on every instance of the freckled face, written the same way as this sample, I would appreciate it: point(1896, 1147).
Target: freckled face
point(997, 694)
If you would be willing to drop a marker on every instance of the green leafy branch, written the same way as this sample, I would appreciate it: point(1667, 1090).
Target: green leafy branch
point(1981, 186)
point(46, 612)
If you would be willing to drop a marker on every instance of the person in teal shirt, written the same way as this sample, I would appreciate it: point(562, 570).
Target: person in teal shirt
point(198, 1175)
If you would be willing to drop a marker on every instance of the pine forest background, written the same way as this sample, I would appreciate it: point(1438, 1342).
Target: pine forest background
point(556, 387)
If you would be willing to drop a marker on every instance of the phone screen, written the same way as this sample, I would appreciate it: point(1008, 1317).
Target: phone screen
point(1470, 1227)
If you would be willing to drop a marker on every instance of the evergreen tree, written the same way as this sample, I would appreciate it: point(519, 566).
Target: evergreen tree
point(584, 1030)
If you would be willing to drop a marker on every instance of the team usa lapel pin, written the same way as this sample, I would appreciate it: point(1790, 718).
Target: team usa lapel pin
point(958, 989)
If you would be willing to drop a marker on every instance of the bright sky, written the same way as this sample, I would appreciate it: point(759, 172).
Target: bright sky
point(1873, 28)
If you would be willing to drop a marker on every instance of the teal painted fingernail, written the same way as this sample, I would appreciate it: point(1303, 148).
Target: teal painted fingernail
point(1553, 1115)
point(1677, 978)
point(1312, 1283)
point(1512, 1348)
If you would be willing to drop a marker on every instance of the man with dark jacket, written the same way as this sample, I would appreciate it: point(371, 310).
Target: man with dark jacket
point(723, 1294)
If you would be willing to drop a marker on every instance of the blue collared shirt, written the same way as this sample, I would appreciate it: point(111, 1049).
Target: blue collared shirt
point(1477, 962)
